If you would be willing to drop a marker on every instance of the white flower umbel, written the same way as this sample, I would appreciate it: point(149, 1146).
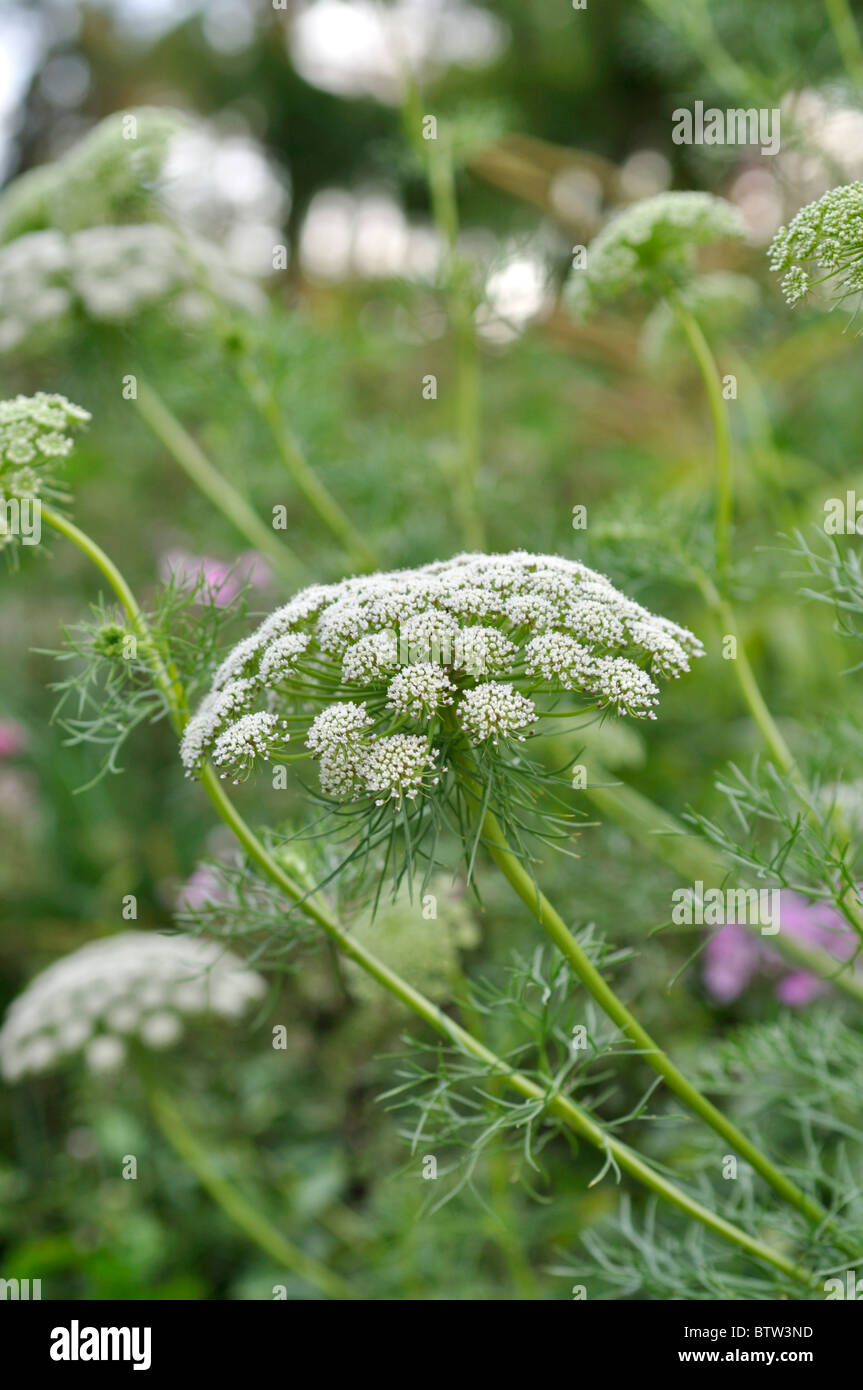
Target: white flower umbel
point(650, 248)
point(822, 244)
point(110, 275)
point(35, 436)
point(495, 711)
point(376, 675)
point(136, 985)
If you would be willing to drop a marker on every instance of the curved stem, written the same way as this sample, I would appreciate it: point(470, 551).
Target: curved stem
point(553, 924)
point(190, 456)
point(164, 672)
point(571, 1114)
point(577, 1119)
point(722, 435)
point(778, 749)
point(318, 496)
point(236, 1207)
point(695, 858)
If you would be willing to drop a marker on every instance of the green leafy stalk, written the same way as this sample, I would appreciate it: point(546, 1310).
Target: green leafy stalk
point(437, 160)
point(318, 496)
point(847, 38)
point(236, 1207)
point(561, 1107)
point(695, 858)
point(722, 435)
point(185, 451)
point(553, 924)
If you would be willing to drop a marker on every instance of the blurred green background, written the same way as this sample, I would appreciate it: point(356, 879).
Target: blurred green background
point(559, 116)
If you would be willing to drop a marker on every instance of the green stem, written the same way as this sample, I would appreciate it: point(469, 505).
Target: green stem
point(552, 923)
point(571, 1114)
point(188, 454)
point(722, 435)
point(776, 746)
point(578, 1120)
point(318, 496)
point(436, 157)
point(847, 38)
point(235, 1206)
point(694, 858)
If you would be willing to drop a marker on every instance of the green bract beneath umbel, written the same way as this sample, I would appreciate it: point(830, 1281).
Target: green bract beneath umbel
point(371, 676)
point(650, 248)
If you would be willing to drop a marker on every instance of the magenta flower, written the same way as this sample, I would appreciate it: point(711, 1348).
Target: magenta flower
point(13, 738)
point(734, 956)
point(204, 886)
point(216, 581)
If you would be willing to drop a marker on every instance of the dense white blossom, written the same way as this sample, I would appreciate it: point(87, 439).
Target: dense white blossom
point(397, 765)
point(252, 736)
point(136, 985)
point(827, 236)
point(420, 690)
point(494, 710)
point(651, 247)
point(385, 669)
point(341, 727)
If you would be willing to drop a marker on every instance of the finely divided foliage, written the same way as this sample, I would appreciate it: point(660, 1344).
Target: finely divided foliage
point(484, 644)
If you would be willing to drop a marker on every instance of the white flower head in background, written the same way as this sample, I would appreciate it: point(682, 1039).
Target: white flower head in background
point(151, 205)
point(137, 985)
point(823, 244)
point(110, 274)
point(375, 676)
point(651, 248)
point(152, 164)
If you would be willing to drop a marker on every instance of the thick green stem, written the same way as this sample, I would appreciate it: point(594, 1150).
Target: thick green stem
point(565, 1109)
point(319, 498)
point(188, 454)
point(722, 435)
point(236, 1207)
point(571, 1114)
point(553, 924)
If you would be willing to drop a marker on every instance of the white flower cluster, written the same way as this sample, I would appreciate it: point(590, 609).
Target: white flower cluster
point(651, 247)
point(109, 274)
point(401, 662)
point(35, 432)
point(213, 183)
point(135, 985)
point(495, 711)
point(828, 235)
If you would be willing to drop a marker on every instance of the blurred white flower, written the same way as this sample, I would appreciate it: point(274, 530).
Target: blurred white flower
point(357, 48)
point(110, 274)
point(137, 984)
